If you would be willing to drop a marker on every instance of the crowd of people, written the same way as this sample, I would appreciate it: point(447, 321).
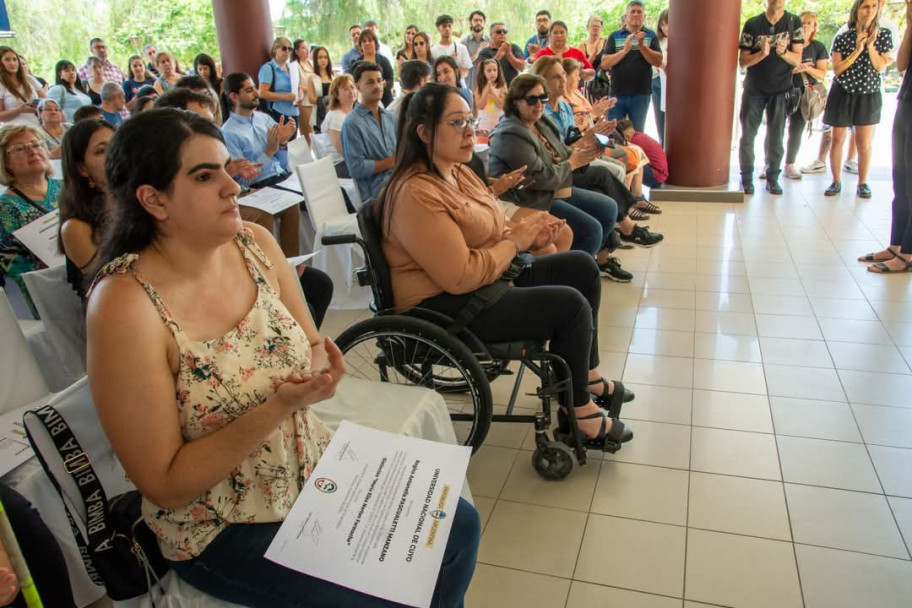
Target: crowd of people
point(483, 151)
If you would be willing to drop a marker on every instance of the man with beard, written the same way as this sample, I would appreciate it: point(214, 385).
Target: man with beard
point(476, 40)
point(540, 39)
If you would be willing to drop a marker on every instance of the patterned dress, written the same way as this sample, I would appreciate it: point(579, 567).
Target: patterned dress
point(220, 380)
point(16, 212)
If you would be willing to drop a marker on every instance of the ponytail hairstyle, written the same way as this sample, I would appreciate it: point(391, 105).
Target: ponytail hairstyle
point(145, 150)
point(424, 107)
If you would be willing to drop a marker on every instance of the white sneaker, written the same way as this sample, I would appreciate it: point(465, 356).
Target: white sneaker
point(814, 167)
point(792, 173)
point(851, 166)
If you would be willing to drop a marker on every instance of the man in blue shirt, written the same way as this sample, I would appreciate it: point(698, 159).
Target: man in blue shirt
point(369, 134)
point(353, 55)
point(254, 135)
point(112, 102)
point(540, 39)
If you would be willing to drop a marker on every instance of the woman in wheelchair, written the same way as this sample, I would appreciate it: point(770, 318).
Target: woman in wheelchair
point(445, 236)
point(203, 362)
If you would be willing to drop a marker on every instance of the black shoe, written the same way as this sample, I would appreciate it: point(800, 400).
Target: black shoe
point(834, 189)
point(772, 186)
point(641, 237)
point(611, 269)
point(747, 185)
point(864, 191)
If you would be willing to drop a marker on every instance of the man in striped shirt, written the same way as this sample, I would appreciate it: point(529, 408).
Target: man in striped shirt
point(112, 73)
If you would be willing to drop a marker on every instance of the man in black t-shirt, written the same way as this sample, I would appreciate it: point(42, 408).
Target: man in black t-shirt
point(509, 56)
point(771, 45)
point(631, 53)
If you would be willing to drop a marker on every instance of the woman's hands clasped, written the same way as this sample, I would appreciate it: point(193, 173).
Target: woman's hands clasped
point(302, 389)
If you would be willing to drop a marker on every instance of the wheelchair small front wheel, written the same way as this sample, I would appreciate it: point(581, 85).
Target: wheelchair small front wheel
point(554, 460)
point(413, 352)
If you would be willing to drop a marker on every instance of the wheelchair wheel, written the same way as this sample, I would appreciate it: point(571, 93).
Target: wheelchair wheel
point(554, 460)
point(414, 352)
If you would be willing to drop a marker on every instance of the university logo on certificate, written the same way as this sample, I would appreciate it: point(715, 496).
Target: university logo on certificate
point(375, 514)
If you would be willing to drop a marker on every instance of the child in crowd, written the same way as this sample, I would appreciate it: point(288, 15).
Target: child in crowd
point(656, 172)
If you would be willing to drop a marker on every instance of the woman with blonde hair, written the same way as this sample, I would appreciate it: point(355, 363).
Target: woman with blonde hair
point(809, 72)
point(342, 97)
point(25, 170)
point(167, 69)
point(592, 46)
point(19, 90)
point(279, 83)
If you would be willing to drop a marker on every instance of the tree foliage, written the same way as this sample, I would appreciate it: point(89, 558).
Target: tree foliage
point(49, 30)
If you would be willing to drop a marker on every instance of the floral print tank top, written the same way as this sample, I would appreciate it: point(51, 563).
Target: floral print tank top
point(220, 380)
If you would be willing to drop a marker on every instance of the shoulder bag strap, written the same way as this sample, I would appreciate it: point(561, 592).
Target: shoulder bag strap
point(76, 462)
point(50, 421)
point(19, 193)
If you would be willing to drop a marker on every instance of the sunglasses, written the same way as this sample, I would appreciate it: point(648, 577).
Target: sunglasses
point(534, 100)
point(501, 32)
point(284, 48)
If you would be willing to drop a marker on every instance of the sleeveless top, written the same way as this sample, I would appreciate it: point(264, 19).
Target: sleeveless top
point(220, 380)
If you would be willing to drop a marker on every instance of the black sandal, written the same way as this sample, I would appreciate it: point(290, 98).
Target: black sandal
point(869, 257)
point(882, 268)
point(605, 441)
point(612, 401)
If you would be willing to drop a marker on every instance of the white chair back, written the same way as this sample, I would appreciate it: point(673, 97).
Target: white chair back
point(322, 193)
point(299, 152)
point(21, 381)
point(63, 316)
point(322, 145)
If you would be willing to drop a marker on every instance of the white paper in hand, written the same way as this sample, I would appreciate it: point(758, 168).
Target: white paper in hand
point(375, 514)
point(40, 237)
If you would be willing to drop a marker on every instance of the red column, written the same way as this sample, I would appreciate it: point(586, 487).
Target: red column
point(702, 64)
point(244, 29)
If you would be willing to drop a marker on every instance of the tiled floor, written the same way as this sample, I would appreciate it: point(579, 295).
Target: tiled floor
point(772, 463)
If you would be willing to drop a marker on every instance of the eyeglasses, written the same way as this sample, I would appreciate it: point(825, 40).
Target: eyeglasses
point(35, 145)
point(461, 123)
point(420, 43)
point(534, 100)
point(501, 32)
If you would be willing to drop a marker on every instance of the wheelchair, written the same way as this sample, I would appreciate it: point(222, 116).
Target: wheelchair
point(422, 347)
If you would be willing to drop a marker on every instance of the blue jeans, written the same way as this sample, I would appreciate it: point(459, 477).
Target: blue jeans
point(635, 106)
point(657, 108)
point(233, 568)
point(592, 217)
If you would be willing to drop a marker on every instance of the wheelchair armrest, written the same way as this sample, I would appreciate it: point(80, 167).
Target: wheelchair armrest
point(341, 239)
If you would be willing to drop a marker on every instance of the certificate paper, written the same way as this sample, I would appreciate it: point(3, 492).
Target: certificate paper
point(375, 514)
point(270, 200)
point(40, 237)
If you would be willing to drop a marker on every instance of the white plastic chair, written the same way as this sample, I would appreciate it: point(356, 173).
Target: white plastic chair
point(322, 145)
point(329, 217)
point(299, 152)
point(21, 380)
point(63, 316)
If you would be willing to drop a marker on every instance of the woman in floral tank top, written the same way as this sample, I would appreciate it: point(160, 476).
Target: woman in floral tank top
point(203, 362)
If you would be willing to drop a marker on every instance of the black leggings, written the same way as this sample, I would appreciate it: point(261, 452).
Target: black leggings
point(557, 299)
point(40, 550)
point(901, 234)
point(796, 128)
